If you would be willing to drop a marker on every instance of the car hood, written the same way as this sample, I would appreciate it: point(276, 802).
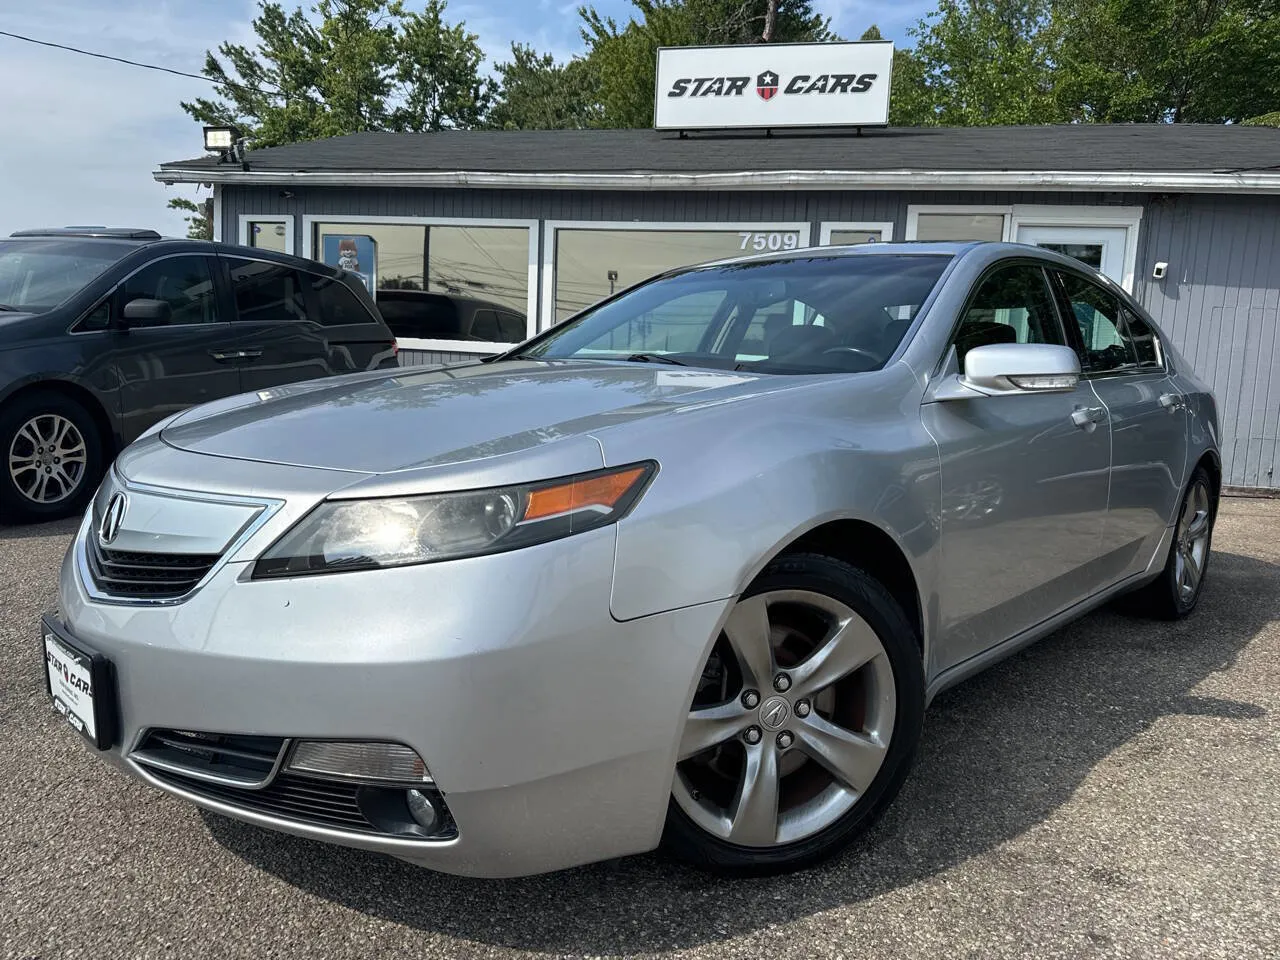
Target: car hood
point(409, 420)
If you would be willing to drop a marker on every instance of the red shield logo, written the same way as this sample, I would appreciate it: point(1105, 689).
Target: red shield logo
point(767, 85)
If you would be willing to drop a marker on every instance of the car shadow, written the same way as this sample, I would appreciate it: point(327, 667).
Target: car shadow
point(1000, 754)
point(35, 531)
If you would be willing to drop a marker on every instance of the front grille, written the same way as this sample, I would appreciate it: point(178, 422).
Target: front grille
point(146, 576)
point(324, 803)
point(246, 761)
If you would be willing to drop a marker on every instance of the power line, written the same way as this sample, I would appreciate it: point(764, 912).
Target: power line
point(138, 63)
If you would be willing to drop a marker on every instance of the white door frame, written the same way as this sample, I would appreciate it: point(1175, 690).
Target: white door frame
point(1130, 218)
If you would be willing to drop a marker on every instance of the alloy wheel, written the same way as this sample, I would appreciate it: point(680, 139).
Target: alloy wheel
point(1192, 543)
point(791, 723)
point(47, 458)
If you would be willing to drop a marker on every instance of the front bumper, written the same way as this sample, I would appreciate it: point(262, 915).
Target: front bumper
point(549, 727)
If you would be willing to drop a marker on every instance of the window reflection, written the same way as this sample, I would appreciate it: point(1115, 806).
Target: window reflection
point(441, 282)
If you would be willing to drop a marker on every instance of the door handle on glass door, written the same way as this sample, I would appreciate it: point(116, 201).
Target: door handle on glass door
point(1087, 417)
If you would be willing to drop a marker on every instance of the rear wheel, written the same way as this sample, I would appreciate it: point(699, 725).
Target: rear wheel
point(1175, 593)
point(52, 457)
point(804, 723)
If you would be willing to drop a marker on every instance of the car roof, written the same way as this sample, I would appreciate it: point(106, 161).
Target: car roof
point(88, 233)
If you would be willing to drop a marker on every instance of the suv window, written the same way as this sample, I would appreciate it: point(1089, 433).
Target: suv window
point(1011, 305)
point(267, 291)
point(185, 283)
point(1097, 312)
point(484, 326)
point(336, 305)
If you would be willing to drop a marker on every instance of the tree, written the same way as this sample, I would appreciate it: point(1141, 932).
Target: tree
point(536, 93)
point(199, 219)
point(625, 58)
point(1205, 61)
point(978, 62)
point(356, 65)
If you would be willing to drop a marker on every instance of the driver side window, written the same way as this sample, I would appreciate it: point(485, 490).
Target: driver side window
point(1011, 305)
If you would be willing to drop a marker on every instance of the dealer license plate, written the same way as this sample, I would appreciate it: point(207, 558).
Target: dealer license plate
point(80, 685)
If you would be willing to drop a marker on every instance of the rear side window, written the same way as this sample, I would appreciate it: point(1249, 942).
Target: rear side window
point(1097, 312)
point(184, 283)
point(1146, 345)
point(336, 305)
point(1011, 305)
point(267, 291)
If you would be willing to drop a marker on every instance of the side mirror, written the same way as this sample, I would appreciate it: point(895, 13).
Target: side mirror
point(1003, 369)
point(147, 313)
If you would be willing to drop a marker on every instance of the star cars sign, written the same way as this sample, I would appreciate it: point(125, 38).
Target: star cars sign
point(774, 85)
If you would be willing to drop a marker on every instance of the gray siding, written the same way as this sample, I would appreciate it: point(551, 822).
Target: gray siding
point(1220, 304)
point(429, 358)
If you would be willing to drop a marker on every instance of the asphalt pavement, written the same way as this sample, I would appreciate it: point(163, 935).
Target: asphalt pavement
point(1114, 791)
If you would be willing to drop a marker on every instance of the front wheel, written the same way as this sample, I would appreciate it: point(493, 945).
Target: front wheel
point(804, 723)
point(52, 457)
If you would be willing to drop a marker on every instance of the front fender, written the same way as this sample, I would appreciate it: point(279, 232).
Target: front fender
point(738, 482)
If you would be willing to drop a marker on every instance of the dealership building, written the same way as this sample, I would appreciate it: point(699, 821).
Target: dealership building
point(529, 227)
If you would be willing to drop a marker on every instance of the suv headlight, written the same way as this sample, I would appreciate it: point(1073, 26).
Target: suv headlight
point(343, 535)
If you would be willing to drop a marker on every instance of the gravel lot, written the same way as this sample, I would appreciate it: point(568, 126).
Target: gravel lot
point(1113, 791)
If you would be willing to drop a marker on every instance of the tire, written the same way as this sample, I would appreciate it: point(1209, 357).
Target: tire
point(33, 488)
point(1167, 597)
point(875, 708)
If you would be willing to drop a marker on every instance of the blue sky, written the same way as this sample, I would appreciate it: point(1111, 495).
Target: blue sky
point(82, 136)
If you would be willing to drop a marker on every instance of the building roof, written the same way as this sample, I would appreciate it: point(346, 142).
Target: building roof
point(1176, 156)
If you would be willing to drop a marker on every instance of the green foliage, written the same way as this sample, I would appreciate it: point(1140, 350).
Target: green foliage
point(625, 57)
point(536, 93)
point(357, 65)
point(199, 222)
point(1204, 61)
point(977, 62)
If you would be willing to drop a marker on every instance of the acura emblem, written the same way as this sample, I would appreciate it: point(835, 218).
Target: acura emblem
point(774, 713)
point(113, 518)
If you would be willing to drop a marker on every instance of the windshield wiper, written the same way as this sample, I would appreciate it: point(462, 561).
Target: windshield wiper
point(656, 358)
point(5, 306)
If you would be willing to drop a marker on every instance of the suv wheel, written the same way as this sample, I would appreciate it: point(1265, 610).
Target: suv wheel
point(50, 457)
point(804, 721)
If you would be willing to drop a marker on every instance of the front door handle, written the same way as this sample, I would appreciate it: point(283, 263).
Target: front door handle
point(1086, 417)
point(1172, 402)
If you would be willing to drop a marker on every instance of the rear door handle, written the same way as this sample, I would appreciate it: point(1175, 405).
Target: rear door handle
point(1085, 417)
point(1172, 402)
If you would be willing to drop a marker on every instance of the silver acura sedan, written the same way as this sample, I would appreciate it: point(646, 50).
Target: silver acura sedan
point(684, 570)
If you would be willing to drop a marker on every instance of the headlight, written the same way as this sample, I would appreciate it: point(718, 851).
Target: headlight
point(370, 534)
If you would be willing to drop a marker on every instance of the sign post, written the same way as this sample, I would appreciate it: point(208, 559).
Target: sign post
point(774, 85)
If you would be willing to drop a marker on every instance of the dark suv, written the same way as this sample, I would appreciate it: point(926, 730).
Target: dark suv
point(105, 332)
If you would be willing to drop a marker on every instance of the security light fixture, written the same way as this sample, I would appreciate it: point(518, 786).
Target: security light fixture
point(219, 139)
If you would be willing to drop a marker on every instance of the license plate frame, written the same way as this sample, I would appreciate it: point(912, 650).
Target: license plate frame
point(91, 712)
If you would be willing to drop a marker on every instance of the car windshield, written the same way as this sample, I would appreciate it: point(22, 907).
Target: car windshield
point(819, 314)
point(37, 275)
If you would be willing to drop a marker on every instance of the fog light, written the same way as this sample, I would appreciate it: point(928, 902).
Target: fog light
point(422, 810)
point(359, 760)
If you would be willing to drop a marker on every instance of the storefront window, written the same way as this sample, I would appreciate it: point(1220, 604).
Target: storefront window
point(841, 237)
point(268, 235)
point(441, 282)
point(593, 264)
point(959, 226)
